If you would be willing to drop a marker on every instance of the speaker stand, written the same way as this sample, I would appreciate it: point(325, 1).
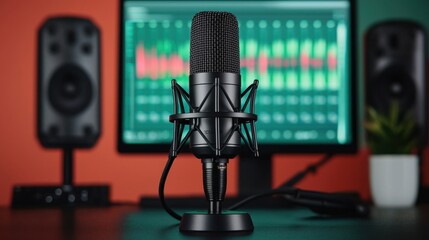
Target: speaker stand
point(65, 195)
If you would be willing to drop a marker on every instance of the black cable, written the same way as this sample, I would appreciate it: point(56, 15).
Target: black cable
point(162, 186)
point(263, 194)
point(312, 168)
point(282, 189)
point(322, 203)
point(286, 187)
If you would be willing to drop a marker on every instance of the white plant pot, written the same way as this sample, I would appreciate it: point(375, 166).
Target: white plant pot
point(394, 180)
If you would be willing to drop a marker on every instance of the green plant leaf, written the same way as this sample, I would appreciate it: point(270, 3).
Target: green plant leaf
point(391, 133)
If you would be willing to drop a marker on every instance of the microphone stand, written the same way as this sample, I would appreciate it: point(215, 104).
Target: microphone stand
point(214, 167)
point(215, 220)
point(214, 175)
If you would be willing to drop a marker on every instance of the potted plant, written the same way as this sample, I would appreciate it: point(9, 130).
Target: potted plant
point(394, 168)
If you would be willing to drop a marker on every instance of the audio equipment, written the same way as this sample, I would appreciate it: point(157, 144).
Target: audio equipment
point(69, 83)
point(395, 70)
point(217, 121)
point(68, 107)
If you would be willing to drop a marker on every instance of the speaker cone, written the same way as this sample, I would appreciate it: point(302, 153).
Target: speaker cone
point(393, 84)
point(70, 90)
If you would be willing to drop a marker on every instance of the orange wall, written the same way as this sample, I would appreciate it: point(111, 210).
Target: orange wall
point(24, 161)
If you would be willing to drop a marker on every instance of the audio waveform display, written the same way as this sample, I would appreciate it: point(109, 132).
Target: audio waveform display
point(149, 64)
point(298, 52)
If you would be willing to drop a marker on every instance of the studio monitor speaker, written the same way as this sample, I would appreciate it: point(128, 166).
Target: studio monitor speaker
point(68, 109)
point(395, 70)
point(68, 83)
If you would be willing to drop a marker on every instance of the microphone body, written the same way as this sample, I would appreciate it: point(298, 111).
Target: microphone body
point(215, 93)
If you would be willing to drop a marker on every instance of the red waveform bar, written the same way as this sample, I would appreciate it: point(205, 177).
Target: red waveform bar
point(140, 61)
point(149, 64)
point(263, 63)
point(332, 61)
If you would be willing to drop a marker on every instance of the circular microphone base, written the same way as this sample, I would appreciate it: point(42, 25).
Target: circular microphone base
point(225, 222)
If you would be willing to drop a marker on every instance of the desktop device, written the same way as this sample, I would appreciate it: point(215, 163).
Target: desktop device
point(68, 108)
point(302, 53)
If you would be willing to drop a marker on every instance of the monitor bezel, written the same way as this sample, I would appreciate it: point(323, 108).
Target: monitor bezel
point(351, 147)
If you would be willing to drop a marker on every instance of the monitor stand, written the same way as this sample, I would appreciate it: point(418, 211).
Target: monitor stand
point(65, 195)
point(255, 174)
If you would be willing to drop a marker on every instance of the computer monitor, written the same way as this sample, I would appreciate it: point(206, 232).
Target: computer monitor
point(302, 53)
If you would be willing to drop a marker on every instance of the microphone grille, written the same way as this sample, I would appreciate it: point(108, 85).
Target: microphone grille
point(214, 43)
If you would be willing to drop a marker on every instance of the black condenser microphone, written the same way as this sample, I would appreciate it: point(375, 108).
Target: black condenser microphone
point(214, 88)
point(215, 61)
point(217, 119)
point(220, 117)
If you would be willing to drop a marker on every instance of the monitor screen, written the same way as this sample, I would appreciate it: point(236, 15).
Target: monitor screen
point(300, 51)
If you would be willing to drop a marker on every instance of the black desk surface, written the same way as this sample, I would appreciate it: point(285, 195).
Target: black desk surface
point(131, 222)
